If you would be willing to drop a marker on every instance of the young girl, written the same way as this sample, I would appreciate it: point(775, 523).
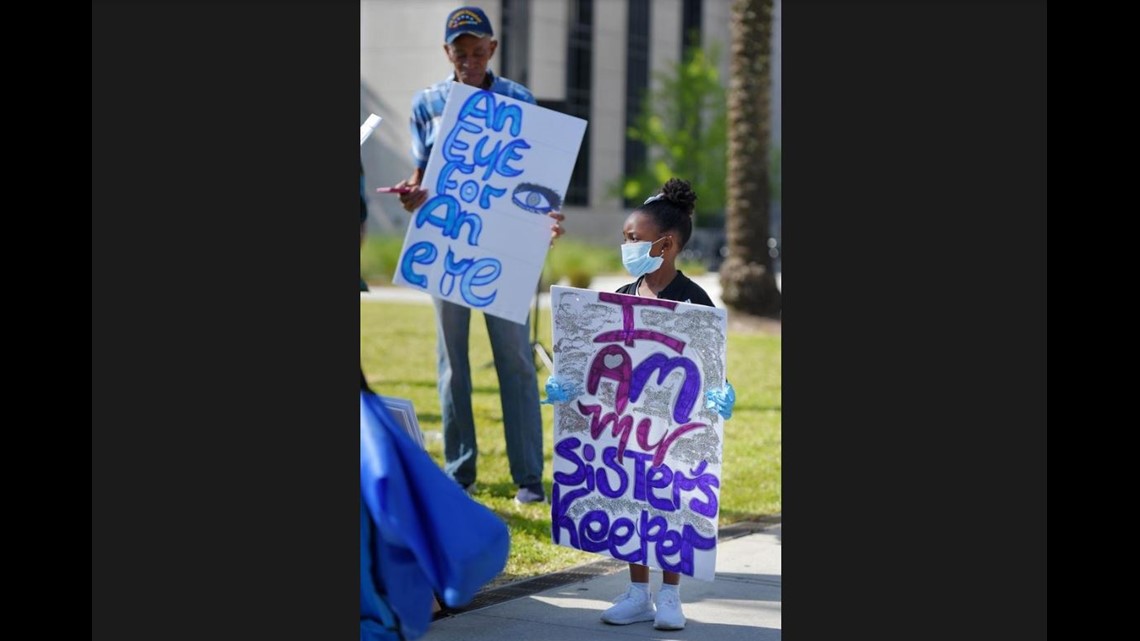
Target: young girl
point(654, 235)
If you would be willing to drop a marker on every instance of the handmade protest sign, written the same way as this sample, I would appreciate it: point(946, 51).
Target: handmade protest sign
point(637, 456)
point(498, 166)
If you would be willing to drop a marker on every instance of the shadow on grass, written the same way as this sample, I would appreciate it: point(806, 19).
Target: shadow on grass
point(500, 489)
point(506, 490)
point(532, 519)
point(428, 418)
point(435, 385)
point(521, 523)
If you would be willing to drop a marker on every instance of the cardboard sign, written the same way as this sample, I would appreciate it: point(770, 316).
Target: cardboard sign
point(637, 456)
point(497, 168)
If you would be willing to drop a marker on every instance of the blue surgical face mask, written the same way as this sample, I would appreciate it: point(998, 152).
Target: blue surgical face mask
point(636, 258)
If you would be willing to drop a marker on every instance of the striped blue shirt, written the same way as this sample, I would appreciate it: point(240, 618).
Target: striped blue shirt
point(427, 109)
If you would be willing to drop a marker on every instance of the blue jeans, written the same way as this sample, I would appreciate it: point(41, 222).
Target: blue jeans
point(518, 390)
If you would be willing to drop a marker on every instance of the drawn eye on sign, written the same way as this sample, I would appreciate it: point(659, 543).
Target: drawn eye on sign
point(536, 198)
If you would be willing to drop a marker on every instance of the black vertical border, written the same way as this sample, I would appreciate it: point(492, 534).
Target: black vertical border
point(915, 320)
point(225, 321)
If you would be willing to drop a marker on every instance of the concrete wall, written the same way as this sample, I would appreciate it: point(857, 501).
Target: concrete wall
point(607, 108)
point(715, 17)
point(664, 37)
point(548, 42)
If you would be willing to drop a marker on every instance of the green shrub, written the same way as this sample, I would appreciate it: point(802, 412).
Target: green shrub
point(580, 262)
point(692, 267)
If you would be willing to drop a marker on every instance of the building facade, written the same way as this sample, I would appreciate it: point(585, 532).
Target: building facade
point(590, 58)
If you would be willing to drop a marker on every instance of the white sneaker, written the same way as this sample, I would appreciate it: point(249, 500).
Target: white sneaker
point(669, 615)
point(631, 607)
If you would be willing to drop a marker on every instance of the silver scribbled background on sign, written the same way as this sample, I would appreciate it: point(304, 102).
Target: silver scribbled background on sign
point(703, 331)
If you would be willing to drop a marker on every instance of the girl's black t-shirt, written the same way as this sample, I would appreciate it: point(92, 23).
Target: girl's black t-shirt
point(682, 289)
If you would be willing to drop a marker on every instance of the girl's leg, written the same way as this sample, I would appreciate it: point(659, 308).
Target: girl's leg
point(640, 574)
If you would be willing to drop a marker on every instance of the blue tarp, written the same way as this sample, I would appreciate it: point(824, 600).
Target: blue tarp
point(419, 533)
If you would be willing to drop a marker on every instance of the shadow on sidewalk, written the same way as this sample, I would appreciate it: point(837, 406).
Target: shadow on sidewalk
point(533, 618)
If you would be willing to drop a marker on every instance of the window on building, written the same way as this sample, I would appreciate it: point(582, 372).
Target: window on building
point(514, 41)
point(690, 24)
point(579, 76)
point(637, 83)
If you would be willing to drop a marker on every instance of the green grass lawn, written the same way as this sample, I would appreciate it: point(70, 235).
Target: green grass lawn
point(397, 345)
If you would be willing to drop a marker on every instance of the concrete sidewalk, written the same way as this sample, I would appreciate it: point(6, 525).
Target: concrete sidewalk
point(742, 603)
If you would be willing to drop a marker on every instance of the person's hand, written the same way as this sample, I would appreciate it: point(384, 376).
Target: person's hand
point(721, 400)
point(560, 390)
point(556, 229)
point(414, 198)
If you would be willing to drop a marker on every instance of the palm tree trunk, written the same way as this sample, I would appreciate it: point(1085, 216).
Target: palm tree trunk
point(746, 276)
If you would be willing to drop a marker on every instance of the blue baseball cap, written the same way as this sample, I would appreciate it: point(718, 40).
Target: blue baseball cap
point(470, 20)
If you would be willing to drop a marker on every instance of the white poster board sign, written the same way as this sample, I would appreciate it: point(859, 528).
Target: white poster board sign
point(368, 127)
point(637, 457)
point(498, 166)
